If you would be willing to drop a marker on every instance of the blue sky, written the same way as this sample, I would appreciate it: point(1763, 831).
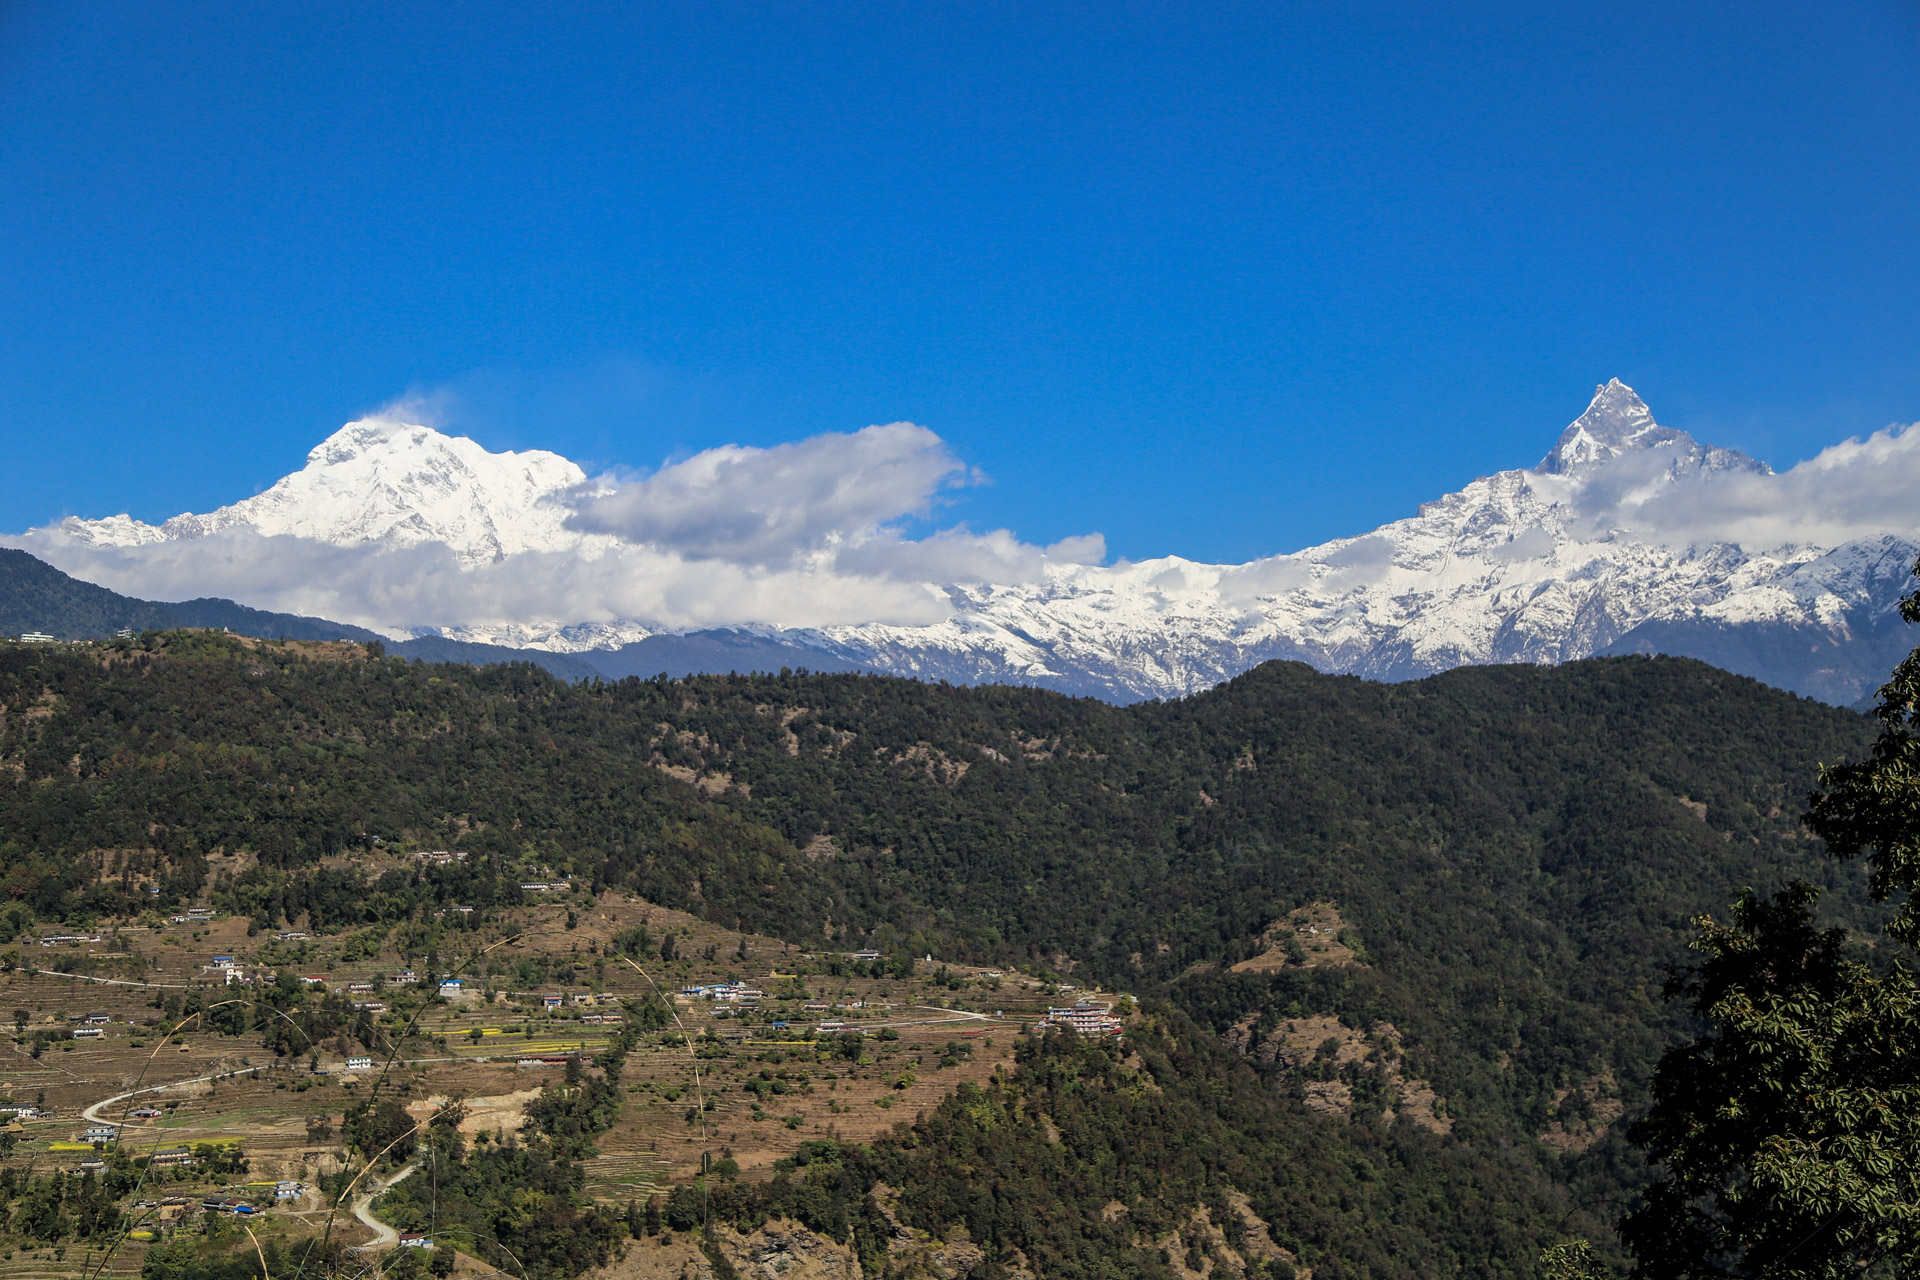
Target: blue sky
point(1215, 280)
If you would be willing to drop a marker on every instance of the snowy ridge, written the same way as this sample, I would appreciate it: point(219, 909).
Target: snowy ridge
point(1521, 566)
point(396, 484)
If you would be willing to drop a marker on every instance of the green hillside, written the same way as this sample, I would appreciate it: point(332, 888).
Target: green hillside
point(1468, 888)
point(36, 597)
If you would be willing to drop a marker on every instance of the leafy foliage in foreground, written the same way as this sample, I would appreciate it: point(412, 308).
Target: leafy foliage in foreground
point(1789, 1134)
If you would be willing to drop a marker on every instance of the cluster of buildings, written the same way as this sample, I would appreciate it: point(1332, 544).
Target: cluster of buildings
point(42, 637)
point(89, 1026)
point(1087, 1018)
point(545, 886)
point(232, 970)
point(68, 939)
point(438, 857)
point(726, 993)
point(553, 1000)
point(194, 915)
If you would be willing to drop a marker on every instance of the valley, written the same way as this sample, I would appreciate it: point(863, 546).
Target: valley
point(713, 1082)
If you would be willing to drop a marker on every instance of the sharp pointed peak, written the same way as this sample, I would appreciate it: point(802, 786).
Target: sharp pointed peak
point(1616, 421)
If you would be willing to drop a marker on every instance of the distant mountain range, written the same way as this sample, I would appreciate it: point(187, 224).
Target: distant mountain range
point(1540, 565)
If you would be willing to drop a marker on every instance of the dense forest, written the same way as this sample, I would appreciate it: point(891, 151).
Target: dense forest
point(1510, 856)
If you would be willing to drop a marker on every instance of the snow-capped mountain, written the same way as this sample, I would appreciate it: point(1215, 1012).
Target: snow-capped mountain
point(1564, 560)
point(397, 485)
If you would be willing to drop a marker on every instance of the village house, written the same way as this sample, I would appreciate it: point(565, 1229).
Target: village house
point(1086, 1017)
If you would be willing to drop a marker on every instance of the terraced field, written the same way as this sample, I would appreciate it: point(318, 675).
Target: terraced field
point(716, 1083)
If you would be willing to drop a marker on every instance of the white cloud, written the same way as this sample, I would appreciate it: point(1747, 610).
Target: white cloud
point(1273, 576)
point(1528, 544)
point(394, 588)
point(806, 534)
point(776, 506)
point(1854, 489)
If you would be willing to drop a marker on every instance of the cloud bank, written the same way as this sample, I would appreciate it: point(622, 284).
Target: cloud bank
point(777, 506)
point(1855, 489)
point(833, 531)
point(808, 534)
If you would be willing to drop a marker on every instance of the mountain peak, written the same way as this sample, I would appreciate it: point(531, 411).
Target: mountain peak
point(369, 435)
point(1617, 421)
point(395, 483)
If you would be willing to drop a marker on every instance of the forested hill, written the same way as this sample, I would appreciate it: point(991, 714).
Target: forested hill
point(1473, 882)
point(36, 597)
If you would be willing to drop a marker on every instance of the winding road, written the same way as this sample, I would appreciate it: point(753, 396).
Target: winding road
point(384, 1236)
point(112, 982)
point(92, 1113)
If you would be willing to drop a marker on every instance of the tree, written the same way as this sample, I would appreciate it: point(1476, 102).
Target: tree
point(1789, 1133)
point(383, 1128)
point(1872, 807)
